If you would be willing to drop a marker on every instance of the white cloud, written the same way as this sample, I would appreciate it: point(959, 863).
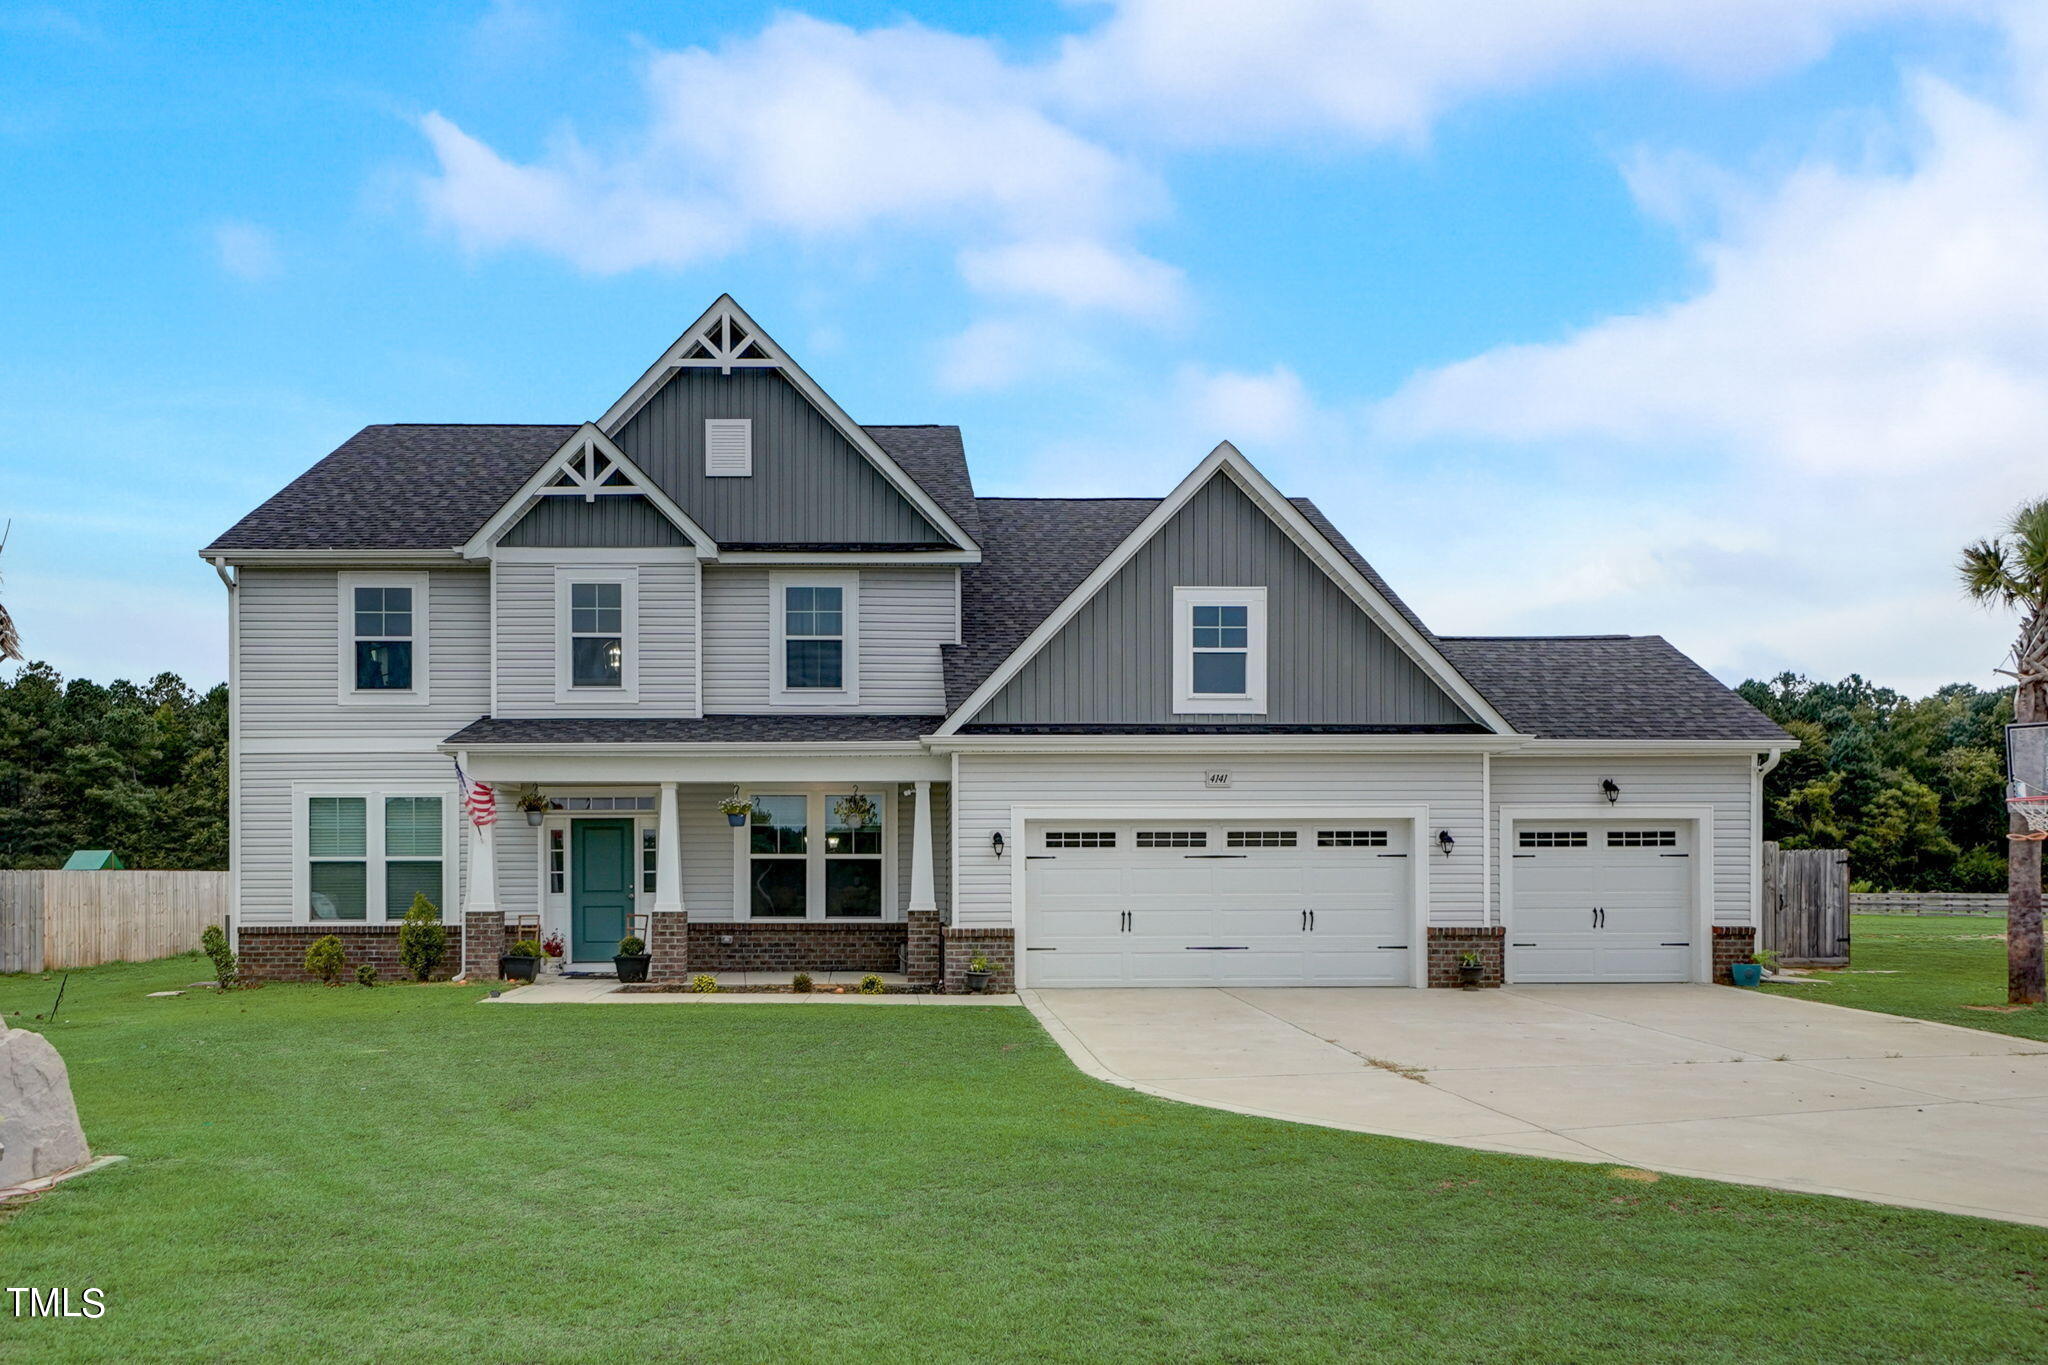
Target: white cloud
point(1855, 390)
point(1250, 410)
point(1218, 71)
point(246, 251)
point(816, 130)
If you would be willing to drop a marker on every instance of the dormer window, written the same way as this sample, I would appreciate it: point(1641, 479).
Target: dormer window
point(815, 639)
point(1219, 651)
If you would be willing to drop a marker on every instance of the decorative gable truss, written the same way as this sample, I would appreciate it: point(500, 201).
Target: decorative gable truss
point(1226, 461)
point(726, 339)
point(588, 466)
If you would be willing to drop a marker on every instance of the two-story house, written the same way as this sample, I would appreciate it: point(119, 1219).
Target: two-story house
point(1189, 740)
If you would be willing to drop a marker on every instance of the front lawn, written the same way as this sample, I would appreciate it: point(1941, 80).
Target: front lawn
point(398, 1174)
point(1950, 969)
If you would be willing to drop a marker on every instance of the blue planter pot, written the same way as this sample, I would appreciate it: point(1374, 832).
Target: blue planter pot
point(1746, 973)
point(735, 820)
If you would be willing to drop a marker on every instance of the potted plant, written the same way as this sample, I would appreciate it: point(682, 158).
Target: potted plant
point(521, 962)
point(1751, 972)
point(533, 803)
point(979, 971)
point(855, 811)
point(632, 958)
point(1469, 969)
point(736, 808)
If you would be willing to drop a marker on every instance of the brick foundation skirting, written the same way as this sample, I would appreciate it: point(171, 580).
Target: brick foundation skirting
point(1449, 942)
point(742, 946)
point(962, 946)
point(277, 952)
point(1732, 943)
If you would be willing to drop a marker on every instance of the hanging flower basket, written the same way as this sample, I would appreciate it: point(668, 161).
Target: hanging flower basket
point(855, 811)
point(736, 808)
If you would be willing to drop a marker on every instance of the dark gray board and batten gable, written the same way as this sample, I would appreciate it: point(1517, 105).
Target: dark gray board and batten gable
point(810, 485)
point(611, 523)
point(1329, 662)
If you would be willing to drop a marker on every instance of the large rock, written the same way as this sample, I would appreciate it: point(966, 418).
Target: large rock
point(39, 1132)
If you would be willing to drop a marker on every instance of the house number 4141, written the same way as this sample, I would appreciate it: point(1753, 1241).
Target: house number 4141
point(1214, 778)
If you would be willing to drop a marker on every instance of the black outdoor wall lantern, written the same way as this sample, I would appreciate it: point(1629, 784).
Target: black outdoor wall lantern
point(996, 841)
point(1445, 842)
point(1609, 790)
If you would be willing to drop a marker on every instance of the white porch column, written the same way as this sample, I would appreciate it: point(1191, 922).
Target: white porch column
point(480, 896)
point(668, 854)
point(923, 876)
point(483, 923)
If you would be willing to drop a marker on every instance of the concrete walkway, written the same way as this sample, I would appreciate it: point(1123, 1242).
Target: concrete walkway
point(1695, 1080)
point(605, 991)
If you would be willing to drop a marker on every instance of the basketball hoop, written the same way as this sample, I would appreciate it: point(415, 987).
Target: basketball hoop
point(2033, 810)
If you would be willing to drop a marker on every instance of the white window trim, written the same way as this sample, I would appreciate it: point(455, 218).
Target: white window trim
point(1252, 702)
point(745, 426)
point(373, 795)
point(815, 816)
point(346, 691)
point(627, 693)
point(815, 698)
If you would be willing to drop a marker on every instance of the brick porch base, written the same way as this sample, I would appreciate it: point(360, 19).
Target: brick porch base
point(1449, 942)
point(1732, 943)
point(962, 946)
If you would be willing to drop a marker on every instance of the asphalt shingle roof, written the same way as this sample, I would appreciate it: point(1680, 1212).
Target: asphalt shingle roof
point(1603, 687)
point(750, 729)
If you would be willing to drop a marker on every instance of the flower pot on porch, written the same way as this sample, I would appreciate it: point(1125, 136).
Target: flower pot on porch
point(519, 968)
point(1468, 975)
point(1746, 973)
point(977, 982)
point(631, 966)
point(534, 817)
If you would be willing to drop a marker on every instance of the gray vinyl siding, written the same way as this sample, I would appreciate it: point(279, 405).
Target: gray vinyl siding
point(905, 616)
point(292, 661)
point(1722, 783)
point(266, 812)
point(809, 485)
point(665, 632)
point(989, 785)
point(1328, 662)
point(611, 522)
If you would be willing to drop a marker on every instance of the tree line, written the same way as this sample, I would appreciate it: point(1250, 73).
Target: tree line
point(1913, 788)
point(138, 768)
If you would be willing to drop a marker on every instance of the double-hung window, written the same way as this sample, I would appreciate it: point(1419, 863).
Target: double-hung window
point(367, 857)
point(383, 639)
point(815, 639)
point(787, 870)
point(597, 612)
point(1219, 651)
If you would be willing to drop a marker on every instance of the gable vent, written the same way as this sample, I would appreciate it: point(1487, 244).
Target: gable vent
point(728, 447)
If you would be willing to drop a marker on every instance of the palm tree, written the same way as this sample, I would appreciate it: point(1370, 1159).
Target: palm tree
point(10, 642)
point(2011, 571)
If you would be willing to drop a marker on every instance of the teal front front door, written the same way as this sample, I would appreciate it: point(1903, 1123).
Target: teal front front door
point(601, 897)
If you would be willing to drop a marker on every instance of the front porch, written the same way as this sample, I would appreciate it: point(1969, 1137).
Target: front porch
point(840, 867)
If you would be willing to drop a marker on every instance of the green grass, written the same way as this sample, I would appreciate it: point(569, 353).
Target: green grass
point(1927, 967)
point(402, 1174)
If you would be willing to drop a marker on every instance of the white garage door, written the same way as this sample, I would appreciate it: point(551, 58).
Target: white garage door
point(1601, 901)
point(1230, 903)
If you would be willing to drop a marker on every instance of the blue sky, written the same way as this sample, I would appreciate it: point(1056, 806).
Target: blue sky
point(1720, 319)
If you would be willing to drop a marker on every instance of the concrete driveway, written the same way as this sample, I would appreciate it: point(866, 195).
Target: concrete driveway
point(1695, 1080)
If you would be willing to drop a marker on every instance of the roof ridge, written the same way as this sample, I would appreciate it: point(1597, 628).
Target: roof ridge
point(1548, 637)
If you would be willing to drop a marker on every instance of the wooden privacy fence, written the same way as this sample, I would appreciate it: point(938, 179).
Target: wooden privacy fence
point(1806, 905)
point(1929, 903)
point(80, 919)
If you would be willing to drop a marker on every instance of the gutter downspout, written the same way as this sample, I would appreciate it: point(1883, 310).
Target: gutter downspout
point(1764, 764)
point(231, 580)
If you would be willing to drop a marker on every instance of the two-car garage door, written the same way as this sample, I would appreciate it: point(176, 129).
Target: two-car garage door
point(1219, 903)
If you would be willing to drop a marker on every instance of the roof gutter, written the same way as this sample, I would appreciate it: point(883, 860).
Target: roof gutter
point(217, 557)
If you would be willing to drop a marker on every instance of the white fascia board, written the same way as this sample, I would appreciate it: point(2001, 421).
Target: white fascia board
point(479, 546)
point(382, 558)
point(1226, 457)
point(620, 412)
point(891, 559)
point(717, 765)
point(1648, 748)
point(1225, 744)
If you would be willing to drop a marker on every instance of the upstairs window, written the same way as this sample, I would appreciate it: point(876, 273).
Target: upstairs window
point(383, 639)
point(815, 639)
point(1219, 645)
point(597, 635)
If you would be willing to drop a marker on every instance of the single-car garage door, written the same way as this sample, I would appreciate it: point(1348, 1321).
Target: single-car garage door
point(1601, 901)
point(1227, 903)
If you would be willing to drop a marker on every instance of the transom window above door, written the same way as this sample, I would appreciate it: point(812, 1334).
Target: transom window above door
point(1219, 650)
point(815, 639)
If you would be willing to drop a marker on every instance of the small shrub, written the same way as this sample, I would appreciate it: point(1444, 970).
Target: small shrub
point(1468, 958)
point(704, 984)
point(326, 959)
point(979, 964)
point(422, 938)
point(632, 946)
point(801, 983)
point(366, 975)
point(227, 968)
point(525, 947)
point(1765, 958)
point(871, 984)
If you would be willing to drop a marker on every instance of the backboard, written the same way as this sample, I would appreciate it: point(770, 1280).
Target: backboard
point(2026, 758)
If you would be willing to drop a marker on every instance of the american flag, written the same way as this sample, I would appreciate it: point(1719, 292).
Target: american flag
point(479, 802)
